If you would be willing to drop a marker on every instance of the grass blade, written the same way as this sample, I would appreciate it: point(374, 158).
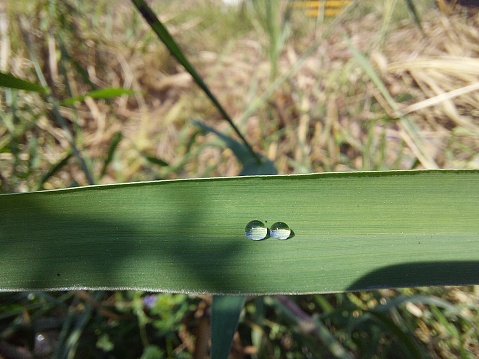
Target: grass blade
point(55, 168)
point(111, 151)
point(280, 80)
point(412, 136)
point(312, 326)
point(10, 81)
point(250, 165)
point(419, 299)
point(226, 310)
point(99, 94)
point(415, 15)
point(163, 34)
point(409, 346)
point(225, 313)
point(55, 106)
point(353, 231)
point(73, 327)
point(155, 160)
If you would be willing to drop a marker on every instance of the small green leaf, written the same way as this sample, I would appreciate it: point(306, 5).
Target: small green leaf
point(10, 81)
point(156, 161)
point(239, 150)
point(152, 352)
point(111, 151)
point(99, 94)
point(55, 168)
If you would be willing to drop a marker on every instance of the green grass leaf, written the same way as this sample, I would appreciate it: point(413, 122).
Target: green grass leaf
point(414, 13)
point(312, 326)
point(10, 81)
point(250, 164)
point(55, 168)
point(83, 163)
point(115, 141)
point(105, 93)
point(415, 142)
point(408, 345)
point(352, 231)
point(225, 313)
point(155, 160)
point(170, 43)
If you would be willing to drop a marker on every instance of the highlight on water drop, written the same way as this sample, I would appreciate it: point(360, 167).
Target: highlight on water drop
point(256, 230)
point(280, 230)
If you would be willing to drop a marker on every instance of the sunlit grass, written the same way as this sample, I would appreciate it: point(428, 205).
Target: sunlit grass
point(329, 116)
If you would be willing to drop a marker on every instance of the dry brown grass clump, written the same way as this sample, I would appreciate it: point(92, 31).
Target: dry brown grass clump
point(442, 73)
point(330, 116)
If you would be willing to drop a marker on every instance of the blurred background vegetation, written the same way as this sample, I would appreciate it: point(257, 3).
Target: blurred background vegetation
point(329, 115)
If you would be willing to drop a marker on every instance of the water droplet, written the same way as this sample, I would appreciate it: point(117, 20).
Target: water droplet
point(43, 346)
point(280, 230)
point(256, 230)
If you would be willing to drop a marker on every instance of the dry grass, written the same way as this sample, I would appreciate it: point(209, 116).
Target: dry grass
point(327, 117)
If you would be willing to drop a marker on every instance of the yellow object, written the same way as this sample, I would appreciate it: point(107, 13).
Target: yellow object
point(330, 8)
point(327, 8)
point(446, 7)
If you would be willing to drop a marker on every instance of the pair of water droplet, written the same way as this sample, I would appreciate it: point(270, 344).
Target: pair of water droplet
point(256, 230)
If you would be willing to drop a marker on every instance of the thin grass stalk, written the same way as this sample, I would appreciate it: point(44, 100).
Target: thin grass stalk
point(312, 326)
point(415, 15)
point(69, 343)
point(55, 106)
point(408, 343)
point(411, 138)
point(63, 69)
point(436, 100)
point(386, 21)
point(261, 100)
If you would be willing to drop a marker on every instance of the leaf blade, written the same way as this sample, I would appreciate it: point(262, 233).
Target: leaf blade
point(162, 32)
point(353, 231)
point(225, 314)
point(105, 93)
point(9, 81)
